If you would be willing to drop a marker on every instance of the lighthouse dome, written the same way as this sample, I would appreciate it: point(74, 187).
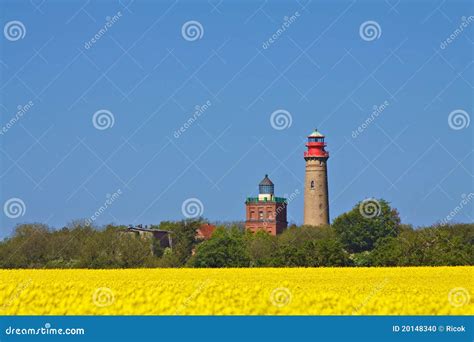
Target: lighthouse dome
point(316, 134)
point(266, 186)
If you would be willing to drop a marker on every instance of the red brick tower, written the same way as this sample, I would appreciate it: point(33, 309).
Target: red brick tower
point(266, 212)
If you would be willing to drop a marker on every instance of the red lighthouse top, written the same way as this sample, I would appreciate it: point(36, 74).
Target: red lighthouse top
point(316, 146)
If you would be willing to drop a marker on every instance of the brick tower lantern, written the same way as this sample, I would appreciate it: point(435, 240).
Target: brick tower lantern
point(316, 201)
point(266, 212)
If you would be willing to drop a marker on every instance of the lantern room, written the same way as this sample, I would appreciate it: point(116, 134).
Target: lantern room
point(266, 189)
point(316, 146)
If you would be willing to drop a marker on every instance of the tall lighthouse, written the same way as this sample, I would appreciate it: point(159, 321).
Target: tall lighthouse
point(316, 201)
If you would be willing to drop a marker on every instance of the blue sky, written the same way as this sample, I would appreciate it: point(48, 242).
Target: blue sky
point(150, 75)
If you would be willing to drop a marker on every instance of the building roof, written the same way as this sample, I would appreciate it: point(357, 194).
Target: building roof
point(266, 181)
point(316, 134)
point(150, 230)
point(205, 231)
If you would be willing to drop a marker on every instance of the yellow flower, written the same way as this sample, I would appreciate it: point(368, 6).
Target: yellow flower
point(243, 291)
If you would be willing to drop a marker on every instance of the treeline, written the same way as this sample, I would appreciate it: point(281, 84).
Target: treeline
point(321, 246)
point(355, 238)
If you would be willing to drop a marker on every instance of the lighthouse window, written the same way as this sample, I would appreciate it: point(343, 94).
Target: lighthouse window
point(312, 184)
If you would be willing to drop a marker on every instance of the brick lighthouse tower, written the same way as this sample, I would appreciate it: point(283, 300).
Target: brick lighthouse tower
point(266, 212)
point(316, 201)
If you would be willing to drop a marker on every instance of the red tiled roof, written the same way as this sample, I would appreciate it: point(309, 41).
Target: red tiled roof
point(205, 231)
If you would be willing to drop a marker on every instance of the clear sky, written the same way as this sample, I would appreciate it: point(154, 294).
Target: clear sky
point(322, 64)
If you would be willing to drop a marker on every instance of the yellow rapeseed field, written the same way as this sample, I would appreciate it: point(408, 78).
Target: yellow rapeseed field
point(250, 291)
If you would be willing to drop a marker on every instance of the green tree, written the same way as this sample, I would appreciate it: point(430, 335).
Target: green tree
point(360, 228)
point(226, 248)
point(388, 251)
point(98, 250)
point(134, 251)
point(330, 252)
point(310, 247)
point(261, 247)
point(28, 247)
point(183, 235)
